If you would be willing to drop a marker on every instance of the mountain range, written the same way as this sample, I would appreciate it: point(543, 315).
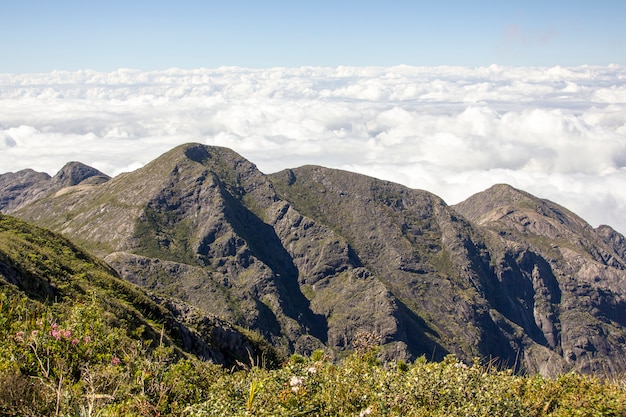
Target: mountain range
point(311, 257)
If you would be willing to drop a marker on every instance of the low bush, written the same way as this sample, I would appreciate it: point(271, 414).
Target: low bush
point(74, 362)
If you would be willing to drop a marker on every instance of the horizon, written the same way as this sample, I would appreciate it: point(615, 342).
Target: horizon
point(558, 133)
point(450, 97)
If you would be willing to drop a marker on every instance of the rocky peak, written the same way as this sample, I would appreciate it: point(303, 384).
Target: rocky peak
point(23, 187)
point(74, 173)
point(528, 213)
point(615, 239)
point(543, 223)
point(310, 256)
point(571, 271)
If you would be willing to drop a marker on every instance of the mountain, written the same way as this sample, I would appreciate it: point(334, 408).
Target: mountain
point(311, 257)
point(48, 270)
point(24, 186)
point(567, 291)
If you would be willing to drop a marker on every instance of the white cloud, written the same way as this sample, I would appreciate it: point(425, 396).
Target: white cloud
point(559, 133)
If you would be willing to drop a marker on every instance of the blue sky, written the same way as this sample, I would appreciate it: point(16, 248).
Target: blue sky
point(40, 36)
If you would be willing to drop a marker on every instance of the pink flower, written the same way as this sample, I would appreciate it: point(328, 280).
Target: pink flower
point(67, 334)
point(115, 360)
point(74, 341)
point(35, 333)
point(19, 336)
point(87, 339)
point(56, 334)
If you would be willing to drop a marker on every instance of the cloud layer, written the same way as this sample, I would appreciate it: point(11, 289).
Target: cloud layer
point(559, 133)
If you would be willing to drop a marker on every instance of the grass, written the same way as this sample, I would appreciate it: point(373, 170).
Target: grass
point(81, 360)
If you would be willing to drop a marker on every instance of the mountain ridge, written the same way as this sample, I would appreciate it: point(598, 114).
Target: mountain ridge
point(311, 256)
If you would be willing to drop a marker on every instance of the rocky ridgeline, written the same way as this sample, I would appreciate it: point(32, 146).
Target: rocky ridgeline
point(312, 256)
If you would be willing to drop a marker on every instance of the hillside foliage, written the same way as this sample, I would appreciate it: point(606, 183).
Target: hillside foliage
point(77, 341)
point(75, 361)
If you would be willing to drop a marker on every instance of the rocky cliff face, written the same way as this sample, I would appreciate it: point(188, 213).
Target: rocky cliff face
point(311, 256)
point(562, 282)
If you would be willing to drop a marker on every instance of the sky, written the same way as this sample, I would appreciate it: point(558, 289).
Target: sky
point(450, 96)
point(44, 35)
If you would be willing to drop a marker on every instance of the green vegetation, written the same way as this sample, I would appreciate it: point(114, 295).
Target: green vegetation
point(83, 360)
point(307, 197)
point(77, 341)
point(76, 361)
point(161, 235)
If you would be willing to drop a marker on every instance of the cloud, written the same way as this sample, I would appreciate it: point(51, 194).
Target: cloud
point(559, 132)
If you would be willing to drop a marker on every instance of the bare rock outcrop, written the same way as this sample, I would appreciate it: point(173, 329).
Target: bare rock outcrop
point(309, 257)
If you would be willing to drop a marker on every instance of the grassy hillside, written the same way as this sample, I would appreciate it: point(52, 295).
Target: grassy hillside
point(360, 386)
point(73, 336)
point(76, 340)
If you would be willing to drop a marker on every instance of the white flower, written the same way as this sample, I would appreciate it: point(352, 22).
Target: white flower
point(296, 383)
point(365, 412)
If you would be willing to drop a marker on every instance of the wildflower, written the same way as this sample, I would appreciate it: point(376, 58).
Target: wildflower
point(34, 333)
point(311, 370)
point(56, 333)
point(87, 339)
point(67, 334)
point(365, 412)
point(115, 360)
point(74, 341)
point(19, 336)
point(296, 383)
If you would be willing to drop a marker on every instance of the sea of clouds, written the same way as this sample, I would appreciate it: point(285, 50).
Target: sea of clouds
point(559, 133)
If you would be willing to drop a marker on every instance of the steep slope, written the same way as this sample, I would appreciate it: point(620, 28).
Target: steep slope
point(415, 246)
point(188, 221)
point(46, 268)
point(312, 256)
point(560, 280)
point(204, 225)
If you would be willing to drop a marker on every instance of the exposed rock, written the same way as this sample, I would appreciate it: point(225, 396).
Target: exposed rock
point(553, 264)
point(74, 173)
point(20, 188)
point(309, 257)
point(614, 239)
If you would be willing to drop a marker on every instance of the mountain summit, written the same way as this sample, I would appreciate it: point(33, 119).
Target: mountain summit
point(311, 257)
point(24, 186)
